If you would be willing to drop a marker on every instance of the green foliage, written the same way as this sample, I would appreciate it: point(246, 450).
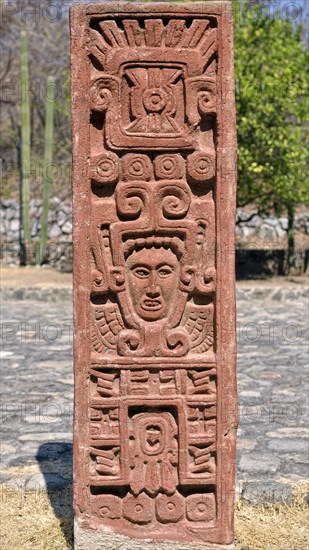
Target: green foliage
point(272, 109)
point(25, 134)
point(48, 158)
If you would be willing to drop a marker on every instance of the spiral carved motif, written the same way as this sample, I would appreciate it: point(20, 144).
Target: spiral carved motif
point(201, 166)
point(205, 101)
point(128, 341)
point(175, 200)
point(100, 96)
point(177, 341)
point(131, 200)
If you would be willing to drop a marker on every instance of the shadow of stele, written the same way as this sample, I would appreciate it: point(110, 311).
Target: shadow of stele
point(56, 463)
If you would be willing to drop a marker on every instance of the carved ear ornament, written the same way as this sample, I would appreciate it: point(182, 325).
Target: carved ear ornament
point(187, 279)
point(117, 279)
point(206, 281)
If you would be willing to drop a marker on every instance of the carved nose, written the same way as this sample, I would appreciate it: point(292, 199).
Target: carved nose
point(153, 291)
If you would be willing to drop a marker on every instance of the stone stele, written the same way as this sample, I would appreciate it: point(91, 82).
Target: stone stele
point(154, 152)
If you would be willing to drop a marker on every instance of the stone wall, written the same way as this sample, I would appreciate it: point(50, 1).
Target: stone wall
point(267, 228)
point(261, 241)
point(59, 247)
point(59, 220)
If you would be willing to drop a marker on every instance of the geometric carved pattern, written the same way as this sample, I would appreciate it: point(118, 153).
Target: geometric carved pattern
point(152, 374)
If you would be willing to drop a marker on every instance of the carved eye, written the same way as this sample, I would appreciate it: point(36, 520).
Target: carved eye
point(141, 272)
point(165, 271)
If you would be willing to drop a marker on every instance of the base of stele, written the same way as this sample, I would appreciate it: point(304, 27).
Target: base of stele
point(90, 539)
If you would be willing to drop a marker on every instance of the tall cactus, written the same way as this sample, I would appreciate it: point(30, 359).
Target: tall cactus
point(25, 136)
point(48, 158)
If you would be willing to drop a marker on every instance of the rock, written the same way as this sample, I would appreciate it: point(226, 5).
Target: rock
point(255, 221)
point(9, 203)
point(14, 225)
point(284, 223)
point(288, 445)
point(271, 220)
point(3, 226)
point(267, 492)
point(47, 436)
point(34, 228)
point(239, 231)
point(35, 203)
point(67, 228)
point(54, 232)
point(11, 213)
point(67, 208)
point(51, 216)
point(281, 233)
point(65, 264)
point(259, 463)
point(61, 218)
point(35, 211)
point(294, 432)
point(267, 233)
point(248, 231)
point(240, 215)
point(54, 202)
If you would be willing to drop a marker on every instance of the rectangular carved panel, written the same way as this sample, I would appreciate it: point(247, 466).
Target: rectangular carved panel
point(154, 210)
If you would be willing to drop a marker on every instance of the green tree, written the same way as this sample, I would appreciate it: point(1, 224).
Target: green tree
point(272, 112)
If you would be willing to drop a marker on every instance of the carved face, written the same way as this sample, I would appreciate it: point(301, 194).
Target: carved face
point(153, 280)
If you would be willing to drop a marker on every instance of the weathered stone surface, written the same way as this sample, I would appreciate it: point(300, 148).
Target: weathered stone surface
point(154, 214)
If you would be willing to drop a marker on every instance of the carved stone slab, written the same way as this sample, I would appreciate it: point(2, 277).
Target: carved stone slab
point(154, 209)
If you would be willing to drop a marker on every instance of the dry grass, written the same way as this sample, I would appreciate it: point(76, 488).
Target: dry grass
point(30, 522)
point(276, 527)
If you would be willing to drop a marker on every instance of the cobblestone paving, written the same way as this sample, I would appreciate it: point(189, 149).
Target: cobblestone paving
point(37, 394)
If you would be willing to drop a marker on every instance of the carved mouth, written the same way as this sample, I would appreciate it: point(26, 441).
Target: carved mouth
point(151, 304)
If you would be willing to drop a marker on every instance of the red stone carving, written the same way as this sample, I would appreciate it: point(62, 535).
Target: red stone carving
point(154, 200)
point(169, 167)
point(153, 452)
point(201, 166)
point(105, 168)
